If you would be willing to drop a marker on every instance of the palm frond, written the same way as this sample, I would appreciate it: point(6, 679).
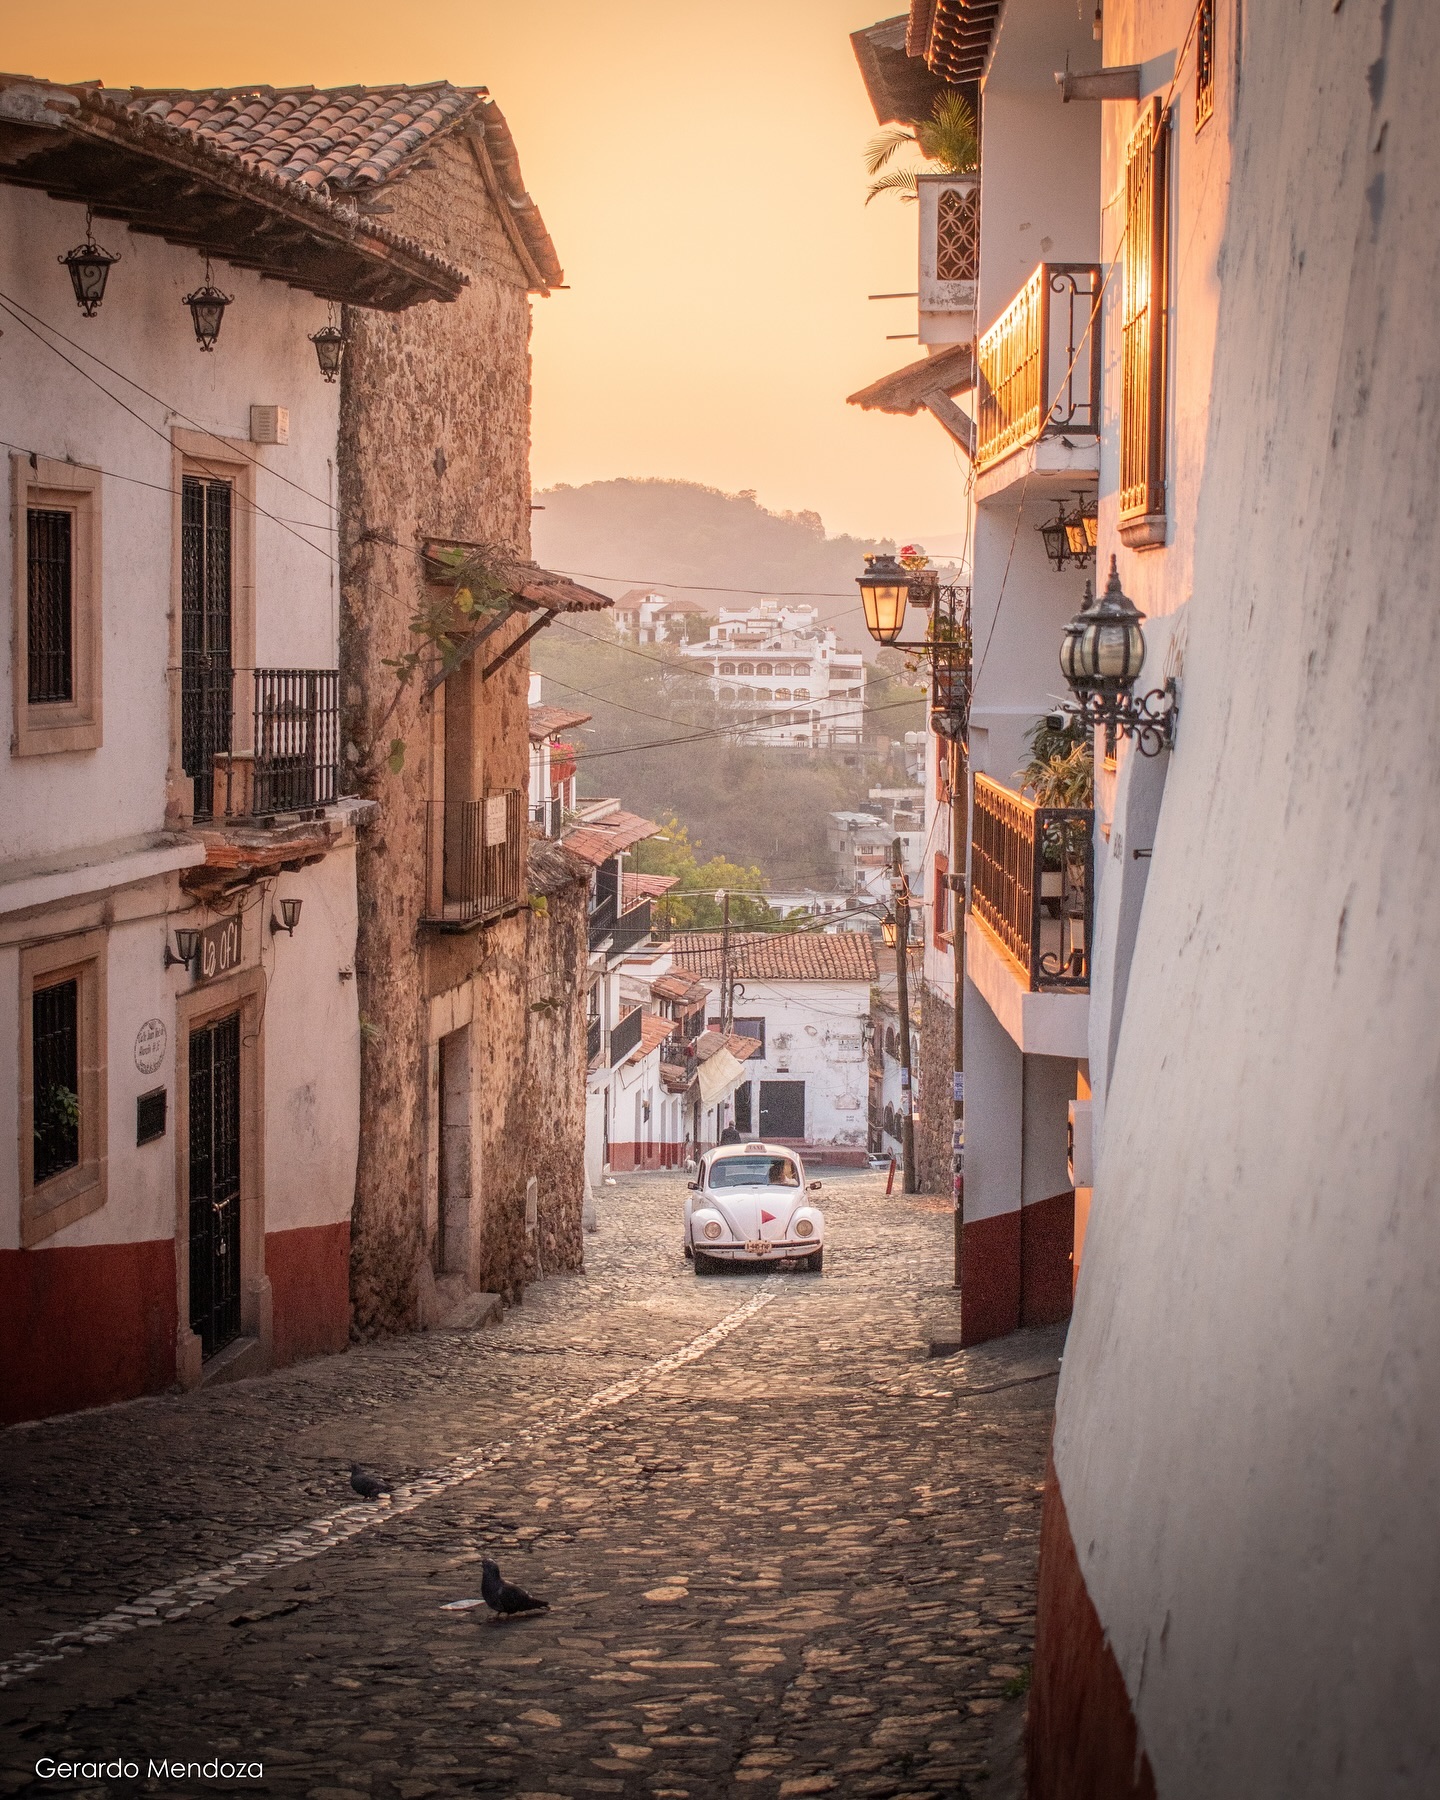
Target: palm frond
point(884, 145)
point(901, 181)
point(948, 136)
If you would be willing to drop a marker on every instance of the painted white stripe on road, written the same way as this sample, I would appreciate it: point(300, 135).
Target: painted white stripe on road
point(190, 1592)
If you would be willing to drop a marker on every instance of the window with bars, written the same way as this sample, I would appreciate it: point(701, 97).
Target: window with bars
point(55, 1065)
point(206, 608)
point(50, 633)
point(1204, 61)
point(1142, 406)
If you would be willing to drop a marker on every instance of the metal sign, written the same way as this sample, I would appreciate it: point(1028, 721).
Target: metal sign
point(220, 948)
point(495, 820)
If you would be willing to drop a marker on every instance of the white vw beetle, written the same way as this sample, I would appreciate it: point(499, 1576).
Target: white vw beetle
point(749, 1204)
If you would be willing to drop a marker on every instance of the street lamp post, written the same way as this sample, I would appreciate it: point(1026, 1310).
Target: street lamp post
point(900, 888)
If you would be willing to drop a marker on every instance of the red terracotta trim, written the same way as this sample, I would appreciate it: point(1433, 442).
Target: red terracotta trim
point(1047, 1237)
point(990, 1297)
point(309, 1271)
point(1081, 1738)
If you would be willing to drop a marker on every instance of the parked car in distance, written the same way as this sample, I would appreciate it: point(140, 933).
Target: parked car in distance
point(750, 1203)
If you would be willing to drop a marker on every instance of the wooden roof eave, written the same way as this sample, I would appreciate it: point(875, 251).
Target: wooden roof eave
point(186, 196)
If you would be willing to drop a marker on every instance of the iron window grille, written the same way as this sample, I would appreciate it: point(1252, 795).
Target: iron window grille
point(482, 854)
point(297, 740)
point(957, 234)
point(49, 566)
point(206, 671)
point(1204, 61)
point(1142, 407)
point(55, 1064)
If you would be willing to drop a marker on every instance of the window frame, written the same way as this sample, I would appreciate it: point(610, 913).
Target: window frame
point(1143, 491)
point(943, 932)
point(1205, 62)
point(50, 727)
point(76, 1192)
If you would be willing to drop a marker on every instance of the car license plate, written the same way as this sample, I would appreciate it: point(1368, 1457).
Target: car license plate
point(757, 1246)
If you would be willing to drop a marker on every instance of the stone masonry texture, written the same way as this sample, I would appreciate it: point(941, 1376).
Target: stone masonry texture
point(435, 441)
point(934, 1126)
point(800, 1562)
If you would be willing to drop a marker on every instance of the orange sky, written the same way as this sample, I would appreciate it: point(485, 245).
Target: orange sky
point(698, 165)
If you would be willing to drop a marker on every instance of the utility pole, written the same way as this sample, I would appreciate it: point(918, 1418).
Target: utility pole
point(900, 888)
point(725, 996)
point(959, 808)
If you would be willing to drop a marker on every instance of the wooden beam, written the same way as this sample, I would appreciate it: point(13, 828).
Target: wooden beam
point(532, 630)
point(473, 643)
point(955, 420)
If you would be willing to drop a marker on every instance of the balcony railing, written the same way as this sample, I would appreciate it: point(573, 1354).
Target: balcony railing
point(1039, 363)
point(259, 743)
point(1032, 882)
point(631, 928)
point(549, 815)
point(481, 856)
point(602, 922)
point(626, 1036)
point(594, 1041)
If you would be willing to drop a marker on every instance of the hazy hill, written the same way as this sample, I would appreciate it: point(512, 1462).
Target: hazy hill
point(682, 538)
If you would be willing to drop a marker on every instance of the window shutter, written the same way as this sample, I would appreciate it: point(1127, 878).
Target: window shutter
point(1142, 415)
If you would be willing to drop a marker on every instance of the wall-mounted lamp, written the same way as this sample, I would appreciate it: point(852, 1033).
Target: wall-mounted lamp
point(289, 917)
point(889, 930)
point(329, 342)
point(89, 267)
point(207, 310)
point(1101, 655)
point(1070, 537)
point(187, 948)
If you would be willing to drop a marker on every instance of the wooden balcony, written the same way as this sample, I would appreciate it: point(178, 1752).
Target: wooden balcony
point(1038, 366)
point(1032, 885)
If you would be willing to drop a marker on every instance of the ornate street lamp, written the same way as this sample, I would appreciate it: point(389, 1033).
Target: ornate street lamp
point(1078, 540)
point(207, 309)
point(1101, 655)
point(884, 591)
point(889, 930)
point(89, 267)
point(329, 342)
point(1053, 536)
point(1090, 519)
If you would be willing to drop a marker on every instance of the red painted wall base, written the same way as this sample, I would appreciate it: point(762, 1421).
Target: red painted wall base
point(309, 1272)
point(85, 1326)
point(625, 1157)
point(1081, 1738)
point(1017, 1269)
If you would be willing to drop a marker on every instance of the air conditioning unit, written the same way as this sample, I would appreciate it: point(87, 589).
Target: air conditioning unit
point(1079, 1153)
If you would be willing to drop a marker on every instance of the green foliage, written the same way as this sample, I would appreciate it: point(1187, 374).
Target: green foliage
point(691, 905)
point(1061, 769)
point(767, 808)
point(948, 137)
point(58, 1108)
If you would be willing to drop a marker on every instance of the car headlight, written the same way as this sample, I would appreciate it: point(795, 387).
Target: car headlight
point(804, 1228)
point(713, 1228)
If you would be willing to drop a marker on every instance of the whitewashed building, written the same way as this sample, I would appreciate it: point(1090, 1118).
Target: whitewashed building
point(553, 767)
point(1238, 1556)
point(179, 1036)
point(785, 676)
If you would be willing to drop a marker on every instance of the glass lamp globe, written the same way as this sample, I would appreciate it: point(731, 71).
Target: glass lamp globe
point(884, 591)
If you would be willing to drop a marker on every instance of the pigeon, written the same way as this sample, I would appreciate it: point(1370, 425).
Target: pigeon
point(368, 1487)
point(503, 1597)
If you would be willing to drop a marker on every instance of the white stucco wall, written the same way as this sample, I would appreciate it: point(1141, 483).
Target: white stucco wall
point(143, 331)
point(1246, 1437)
point(822, 1020)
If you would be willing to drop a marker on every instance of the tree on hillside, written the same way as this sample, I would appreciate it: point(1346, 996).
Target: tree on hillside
point(691, 905)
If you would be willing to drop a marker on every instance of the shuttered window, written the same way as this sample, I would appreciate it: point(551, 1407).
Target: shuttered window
point(1204, 61)
point(1142, 417)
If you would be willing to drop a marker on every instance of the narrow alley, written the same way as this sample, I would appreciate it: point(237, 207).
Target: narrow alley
point(786, 1551)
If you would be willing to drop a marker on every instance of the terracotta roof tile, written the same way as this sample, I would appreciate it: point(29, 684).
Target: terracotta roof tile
point(545, 721)
point(780, 956)
point(596, 841)
point(635, 888)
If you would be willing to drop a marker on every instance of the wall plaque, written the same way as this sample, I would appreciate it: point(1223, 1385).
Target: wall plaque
point(150, 1041)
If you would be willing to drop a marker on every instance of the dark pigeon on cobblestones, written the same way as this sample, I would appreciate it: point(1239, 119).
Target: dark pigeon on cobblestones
point(368, 1487)
point(502, 1596)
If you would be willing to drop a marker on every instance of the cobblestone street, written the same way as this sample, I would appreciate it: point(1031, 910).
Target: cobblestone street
point(786, 1552)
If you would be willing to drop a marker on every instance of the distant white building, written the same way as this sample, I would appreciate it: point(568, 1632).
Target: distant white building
point(782, 672)
point(649, 617)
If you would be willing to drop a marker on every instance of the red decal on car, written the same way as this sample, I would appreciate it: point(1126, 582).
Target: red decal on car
point(766, 1218)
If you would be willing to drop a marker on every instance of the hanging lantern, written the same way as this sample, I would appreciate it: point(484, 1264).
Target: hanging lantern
point(329, 342)
point(884, 591)
point(89, 267)
point(207, 309)
point(1055, 537)
point(1090, 519)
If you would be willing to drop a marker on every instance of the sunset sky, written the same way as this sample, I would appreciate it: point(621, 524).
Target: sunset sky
point(698, 166)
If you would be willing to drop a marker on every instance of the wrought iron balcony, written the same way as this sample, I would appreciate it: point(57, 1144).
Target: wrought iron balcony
point(1032, 884)
point(632, 928)
point(260, 743)
point(1039, 363)
point(594, 1041)
point(477, 850)
point(602, 922)
point(626, 1036)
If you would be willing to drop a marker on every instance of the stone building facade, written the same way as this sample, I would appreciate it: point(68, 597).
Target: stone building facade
point(471, 1063)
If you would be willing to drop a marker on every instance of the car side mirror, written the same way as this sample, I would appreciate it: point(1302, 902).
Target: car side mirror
point(692, 1185)
point(814, 1187)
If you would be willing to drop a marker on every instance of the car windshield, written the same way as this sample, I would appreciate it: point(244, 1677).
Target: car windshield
point(754, 1171)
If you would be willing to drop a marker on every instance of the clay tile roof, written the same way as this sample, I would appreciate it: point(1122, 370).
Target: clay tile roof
point(653, 1031)
point(678, 987)
point(600, 839)
point(545, 721)
point(635, 888)
point(780, 956)
point(326, 138)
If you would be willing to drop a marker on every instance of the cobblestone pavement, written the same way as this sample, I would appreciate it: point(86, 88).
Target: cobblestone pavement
point(787, 1554)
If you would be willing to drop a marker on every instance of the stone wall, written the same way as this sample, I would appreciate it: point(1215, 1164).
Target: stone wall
point(434, 439)
point(933, 1127)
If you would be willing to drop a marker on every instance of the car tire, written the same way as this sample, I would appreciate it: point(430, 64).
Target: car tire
point(815, 1262)
point(689, 1253)
point(704, 1265)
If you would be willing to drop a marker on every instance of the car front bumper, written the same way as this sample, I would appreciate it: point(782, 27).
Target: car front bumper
point(772, 1252)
